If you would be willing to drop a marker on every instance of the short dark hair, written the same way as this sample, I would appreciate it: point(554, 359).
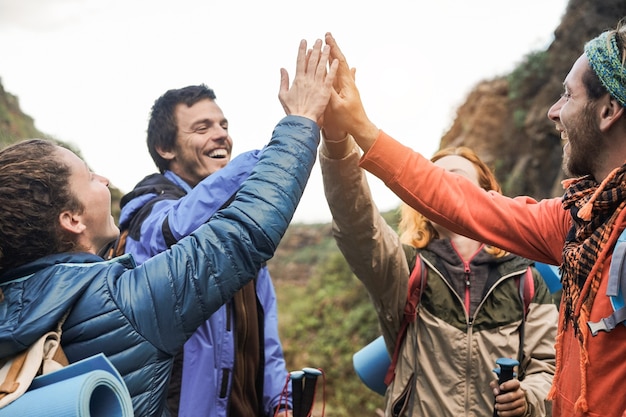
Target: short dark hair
point(162, 127)
point(34, 190)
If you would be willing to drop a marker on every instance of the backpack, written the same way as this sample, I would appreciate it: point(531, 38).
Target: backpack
point(159, 188)
point(615, 290)
point(417, 283)
point(18, 371)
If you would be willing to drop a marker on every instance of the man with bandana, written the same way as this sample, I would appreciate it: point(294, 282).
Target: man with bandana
point(577, 231)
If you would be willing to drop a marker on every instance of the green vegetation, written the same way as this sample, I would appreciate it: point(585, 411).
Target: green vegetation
point(526, 78)
point(322, 324)
point(524, 83)
point(325, 316)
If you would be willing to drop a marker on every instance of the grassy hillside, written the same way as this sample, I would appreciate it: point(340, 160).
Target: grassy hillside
point(325, 316)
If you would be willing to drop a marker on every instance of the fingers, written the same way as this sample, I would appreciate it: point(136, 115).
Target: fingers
point(344, 70)
point(284, 86)
point(302, 58)
point(510, 403)
point(320, 71)
point(310, 91)
point(335, 51)
point(317, 58)
point(332, 73)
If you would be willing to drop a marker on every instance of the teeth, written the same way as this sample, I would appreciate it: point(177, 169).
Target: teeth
point(218, 153)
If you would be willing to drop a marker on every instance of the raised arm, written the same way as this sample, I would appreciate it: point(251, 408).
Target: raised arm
point(201, 272)
point(345, 113)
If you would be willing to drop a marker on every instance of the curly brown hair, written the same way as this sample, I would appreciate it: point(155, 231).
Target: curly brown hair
point(34, 190)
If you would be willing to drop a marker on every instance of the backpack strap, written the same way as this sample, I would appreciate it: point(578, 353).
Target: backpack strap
point(616, 289)
point(417, 282)
point(526, 289)
point(44, 356)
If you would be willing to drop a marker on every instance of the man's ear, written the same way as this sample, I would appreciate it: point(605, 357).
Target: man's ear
point(167, 154)
point(610, 112)
point(71, 222)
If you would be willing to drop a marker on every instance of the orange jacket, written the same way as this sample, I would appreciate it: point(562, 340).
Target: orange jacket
point(590, 376)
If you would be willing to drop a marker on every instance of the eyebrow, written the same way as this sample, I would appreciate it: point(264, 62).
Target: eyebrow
point(200, 122)
point(458, 171)
point(209, 121)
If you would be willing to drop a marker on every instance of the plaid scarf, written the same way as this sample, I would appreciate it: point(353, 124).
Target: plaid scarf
point(594, 208)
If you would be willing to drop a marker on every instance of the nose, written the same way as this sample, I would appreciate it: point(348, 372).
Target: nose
point(103, 180)
point(555, 110)
point(220, 133)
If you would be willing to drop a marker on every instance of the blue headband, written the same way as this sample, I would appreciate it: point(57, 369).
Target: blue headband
point(604, 58)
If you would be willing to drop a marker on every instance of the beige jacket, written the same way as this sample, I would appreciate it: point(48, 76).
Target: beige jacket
point(446, 362)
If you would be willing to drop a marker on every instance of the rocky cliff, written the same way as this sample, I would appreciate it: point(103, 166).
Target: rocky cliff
point(505, 120)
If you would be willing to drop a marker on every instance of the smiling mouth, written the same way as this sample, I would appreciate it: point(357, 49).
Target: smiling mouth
point(218, 154)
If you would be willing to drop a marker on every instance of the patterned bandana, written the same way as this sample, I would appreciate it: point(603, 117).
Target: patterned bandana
point(588, 237)
point(604, 58)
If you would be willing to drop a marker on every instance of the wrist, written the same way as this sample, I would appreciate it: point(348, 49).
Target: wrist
point(337, 149)
point(329, 139)
point(366, 136)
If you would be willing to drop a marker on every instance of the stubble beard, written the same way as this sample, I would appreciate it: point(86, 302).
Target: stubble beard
point(585, 145)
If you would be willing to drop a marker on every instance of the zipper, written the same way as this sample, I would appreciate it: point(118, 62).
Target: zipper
point(468, 285)
point(497, 283)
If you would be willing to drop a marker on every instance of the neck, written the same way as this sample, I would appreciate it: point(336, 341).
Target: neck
point(466, 247)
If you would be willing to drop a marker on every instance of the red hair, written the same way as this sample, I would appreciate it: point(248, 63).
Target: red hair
point(416, 230)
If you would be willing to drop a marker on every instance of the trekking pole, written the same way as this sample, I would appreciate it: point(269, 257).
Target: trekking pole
point(505, 373)
point(308, 396)
point(296, 392)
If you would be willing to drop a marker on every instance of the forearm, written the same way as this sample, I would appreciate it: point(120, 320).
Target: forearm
point(457, 204)
point(208, 267)
point(371, 247)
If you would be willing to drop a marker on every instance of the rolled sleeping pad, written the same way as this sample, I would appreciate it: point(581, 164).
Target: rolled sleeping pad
point(371, 364)
point(88, 388)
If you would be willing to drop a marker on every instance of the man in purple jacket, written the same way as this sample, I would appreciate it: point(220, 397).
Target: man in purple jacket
point(233, 365)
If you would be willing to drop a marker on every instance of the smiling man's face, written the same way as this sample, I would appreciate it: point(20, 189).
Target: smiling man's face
point(203, 145)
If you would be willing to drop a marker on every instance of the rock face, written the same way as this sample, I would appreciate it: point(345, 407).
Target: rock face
point(505, 120)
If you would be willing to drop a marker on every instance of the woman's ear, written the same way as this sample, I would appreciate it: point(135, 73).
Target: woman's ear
point(71, 222)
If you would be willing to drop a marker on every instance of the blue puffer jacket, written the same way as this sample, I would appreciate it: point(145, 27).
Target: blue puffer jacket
point(140, 317)
point(159, 211)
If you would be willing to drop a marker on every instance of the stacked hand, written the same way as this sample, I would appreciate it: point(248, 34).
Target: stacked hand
point(345, 113)
point(312, 85)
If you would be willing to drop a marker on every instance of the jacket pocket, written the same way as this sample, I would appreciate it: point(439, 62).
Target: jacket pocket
point(224, 385)
point(399, 405)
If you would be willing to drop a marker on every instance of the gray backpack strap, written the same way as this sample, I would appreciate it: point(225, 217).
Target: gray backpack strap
point(616, 287)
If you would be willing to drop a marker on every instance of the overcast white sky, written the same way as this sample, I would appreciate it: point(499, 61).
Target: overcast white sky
point(88, 71)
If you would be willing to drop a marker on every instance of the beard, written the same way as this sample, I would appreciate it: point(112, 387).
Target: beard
point(585, 144)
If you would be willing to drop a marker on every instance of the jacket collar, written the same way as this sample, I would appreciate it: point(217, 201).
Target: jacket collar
point(23, 271)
